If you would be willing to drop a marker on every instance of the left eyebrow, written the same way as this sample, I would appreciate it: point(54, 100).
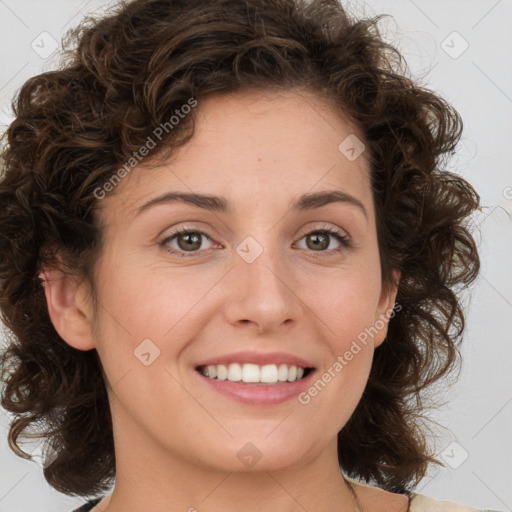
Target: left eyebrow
point(319, 199)
point(223, 205)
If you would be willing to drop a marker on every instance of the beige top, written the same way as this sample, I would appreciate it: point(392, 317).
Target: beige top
point(421, 503)
point(418, 503)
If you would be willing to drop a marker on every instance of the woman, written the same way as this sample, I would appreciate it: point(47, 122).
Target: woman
point(229, 260)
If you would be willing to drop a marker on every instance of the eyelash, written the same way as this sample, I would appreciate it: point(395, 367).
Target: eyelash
point(338, 235)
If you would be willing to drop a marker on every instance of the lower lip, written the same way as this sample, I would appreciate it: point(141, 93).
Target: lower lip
point(259, 394)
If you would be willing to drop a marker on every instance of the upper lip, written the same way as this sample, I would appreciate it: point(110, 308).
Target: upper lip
point(259, 358)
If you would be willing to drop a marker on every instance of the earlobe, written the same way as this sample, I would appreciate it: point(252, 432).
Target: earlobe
point(70, 308)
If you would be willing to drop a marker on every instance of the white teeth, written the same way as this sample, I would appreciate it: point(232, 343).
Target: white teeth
point(234, 372)
point(269, 373)
point(292, 374)
point(222, 372)
point(283, 373)
point(253, 373)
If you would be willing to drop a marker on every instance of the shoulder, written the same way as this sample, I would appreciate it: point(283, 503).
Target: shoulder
point(421, 503)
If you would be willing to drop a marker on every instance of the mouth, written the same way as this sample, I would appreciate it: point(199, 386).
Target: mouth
point(255, 375)
point(250, 384)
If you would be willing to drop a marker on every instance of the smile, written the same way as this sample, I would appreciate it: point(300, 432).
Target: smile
point(264, 385)
point(253, 373)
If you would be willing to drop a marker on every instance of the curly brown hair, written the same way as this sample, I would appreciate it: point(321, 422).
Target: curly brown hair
point(124, 74)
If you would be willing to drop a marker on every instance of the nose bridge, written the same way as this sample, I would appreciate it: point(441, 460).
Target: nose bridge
point(261, 290)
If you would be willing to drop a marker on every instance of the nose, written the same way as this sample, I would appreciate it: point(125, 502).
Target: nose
point(262, 295)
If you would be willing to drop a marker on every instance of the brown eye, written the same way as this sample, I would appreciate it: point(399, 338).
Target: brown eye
point(185, 242)
point(317, 241)
point(189, 241)
point(320, 239)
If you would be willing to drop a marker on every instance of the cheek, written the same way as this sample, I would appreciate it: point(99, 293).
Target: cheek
point(345, 306)
point(146, 301)
point(346, 303)
point(148, 310)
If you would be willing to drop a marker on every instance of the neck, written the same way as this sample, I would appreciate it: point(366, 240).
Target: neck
point(150, 478)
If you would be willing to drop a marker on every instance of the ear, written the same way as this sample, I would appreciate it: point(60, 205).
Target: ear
point(386, 309)
point(70, 308)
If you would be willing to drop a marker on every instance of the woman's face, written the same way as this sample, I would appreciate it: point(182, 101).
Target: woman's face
point(256, 274)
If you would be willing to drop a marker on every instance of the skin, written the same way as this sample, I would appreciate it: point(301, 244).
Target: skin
point(176, 440)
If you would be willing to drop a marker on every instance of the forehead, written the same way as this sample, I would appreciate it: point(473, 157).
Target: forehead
point(255, 146)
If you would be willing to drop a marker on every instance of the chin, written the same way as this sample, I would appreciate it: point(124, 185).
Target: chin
point(253, 454)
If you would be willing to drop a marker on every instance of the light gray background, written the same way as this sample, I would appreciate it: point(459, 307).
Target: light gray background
point(478, 82)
